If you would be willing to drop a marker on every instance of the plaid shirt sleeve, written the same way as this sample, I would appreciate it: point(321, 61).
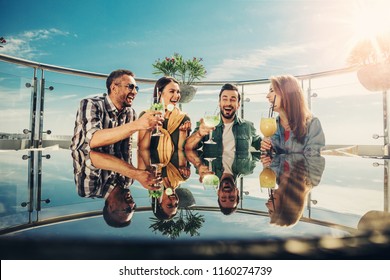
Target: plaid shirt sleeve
point(89, 119)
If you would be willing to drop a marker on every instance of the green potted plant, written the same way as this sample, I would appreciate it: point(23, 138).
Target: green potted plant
point(185, 71)
point(373, 59)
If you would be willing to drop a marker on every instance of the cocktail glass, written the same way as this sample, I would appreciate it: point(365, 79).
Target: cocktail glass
point(211, 119)
point(267, 179)
point(210, 180)
point(157, 106)
point(268, 127)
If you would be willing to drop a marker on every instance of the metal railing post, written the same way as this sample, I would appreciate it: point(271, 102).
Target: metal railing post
point(308, 94)
point(386, 198)
point(385, 125)
point(242, 101)
point(41, 109)
point(33, 110)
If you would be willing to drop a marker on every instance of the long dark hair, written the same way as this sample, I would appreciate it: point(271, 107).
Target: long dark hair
point(160, 85)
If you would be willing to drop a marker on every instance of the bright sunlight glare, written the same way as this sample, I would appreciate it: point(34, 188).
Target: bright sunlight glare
point(371, 18)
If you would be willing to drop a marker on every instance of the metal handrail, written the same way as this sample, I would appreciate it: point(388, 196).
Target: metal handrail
point(71, 71)
point(95, 213)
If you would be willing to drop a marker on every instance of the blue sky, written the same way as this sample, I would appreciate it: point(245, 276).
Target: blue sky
point(237, 39)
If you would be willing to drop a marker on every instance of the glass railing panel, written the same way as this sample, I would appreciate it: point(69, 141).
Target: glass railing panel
point(349, 114)
point(360, 189)
point(255, 103)
point(15, 103)
point(58, 188)
point(16, 195)
point(61, 104)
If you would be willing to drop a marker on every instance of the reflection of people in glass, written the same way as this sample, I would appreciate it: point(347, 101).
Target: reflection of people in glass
point(102, 175)
point(119, 207)
point(228, 167)
point(174, 171)
point(296, 175)
point(172, 209)
point(228, 193)
point(165, 207)
point(186, 222)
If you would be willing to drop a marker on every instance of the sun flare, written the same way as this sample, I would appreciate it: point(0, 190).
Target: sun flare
point(371, 19)
point(369, 22)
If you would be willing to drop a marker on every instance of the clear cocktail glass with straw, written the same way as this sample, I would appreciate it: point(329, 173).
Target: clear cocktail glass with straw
point(268, 124)
point(157, 106)
point(211, 119)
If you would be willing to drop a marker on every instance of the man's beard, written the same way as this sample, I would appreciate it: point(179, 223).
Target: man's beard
point(230, 181)
point(230, 116)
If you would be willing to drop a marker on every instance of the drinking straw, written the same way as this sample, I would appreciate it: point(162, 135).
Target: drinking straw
point(157, 97)
point(273, 106)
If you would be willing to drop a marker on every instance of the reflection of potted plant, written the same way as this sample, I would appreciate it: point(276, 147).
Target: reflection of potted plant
point(187, 222)
point(186, 71)
point(373, 57)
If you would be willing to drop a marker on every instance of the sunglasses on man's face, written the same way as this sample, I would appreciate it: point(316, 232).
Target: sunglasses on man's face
point(130, 86)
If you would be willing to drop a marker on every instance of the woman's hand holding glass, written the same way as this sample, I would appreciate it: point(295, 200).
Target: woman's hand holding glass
point(265, 158)
point(268, 127)
point(266, 145)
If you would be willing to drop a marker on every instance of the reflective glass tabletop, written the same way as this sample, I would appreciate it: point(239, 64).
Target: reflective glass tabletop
point(52, 205)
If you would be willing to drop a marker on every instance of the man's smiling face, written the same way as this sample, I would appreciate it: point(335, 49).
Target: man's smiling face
point(229, 104)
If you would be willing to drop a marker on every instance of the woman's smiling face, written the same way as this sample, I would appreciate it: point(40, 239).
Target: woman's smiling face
point(171, 94)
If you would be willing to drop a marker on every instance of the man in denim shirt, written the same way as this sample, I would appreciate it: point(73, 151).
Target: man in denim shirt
point(235, 133)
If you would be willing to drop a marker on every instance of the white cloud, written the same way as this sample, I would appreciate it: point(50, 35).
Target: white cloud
point(232, 68)
point(21, 45)
point(43, 34)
